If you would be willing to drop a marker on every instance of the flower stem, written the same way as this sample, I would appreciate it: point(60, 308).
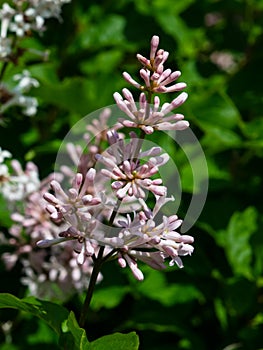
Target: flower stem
point(98, 262)
point(93, 279)
point(2, 72)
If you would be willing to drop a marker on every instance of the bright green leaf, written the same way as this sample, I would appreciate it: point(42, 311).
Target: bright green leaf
point(236, 241)
point(171, 294)
point(216, 109)
point(53, 314)
point(71, 94)
point(221, 313)
point(218, 139)
point(75, 338)
point(116, 341)
point(108, 297)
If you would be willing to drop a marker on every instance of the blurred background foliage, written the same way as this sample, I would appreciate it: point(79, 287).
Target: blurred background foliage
point(216, 301)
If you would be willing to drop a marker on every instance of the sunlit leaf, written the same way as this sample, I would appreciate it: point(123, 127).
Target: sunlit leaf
point(116, 341)
point(74, 337)
point(108, 297)
point(236, 241)
point(171, 294)
point(53, 314)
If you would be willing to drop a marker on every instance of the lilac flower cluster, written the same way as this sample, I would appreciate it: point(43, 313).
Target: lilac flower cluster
point(121, 224)
point(18, 183)
point(110, 208)
point(60, 271)
point(54, 273)
point(156, 78)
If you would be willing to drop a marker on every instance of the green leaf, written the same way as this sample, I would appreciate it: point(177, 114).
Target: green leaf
point(254, 129)
point(71, 94)
point(239, 303)
point(189, 41)
point(216, 109)
point(216, 171)
point(218, 139)
point(53, 314)
point(9, 347)
point(108, 297)
point(154, 6)
point(107, 31)
point(171, 294)
point(74, 337)
point(43, 335)
point(221, 313)
point(236, 241)
point(116, 341)
point(104, 62)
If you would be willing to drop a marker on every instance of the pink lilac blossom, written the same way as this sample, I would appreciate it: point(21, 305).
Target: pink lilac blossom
point(156, 79)
point(82, 158)
point(150, 118)
point(130, 176)
point(79, 211)
point(153, 73)
point(140, 238)
point(45, 273)
point(144, 240)
point(17, 185)
point(134, 235)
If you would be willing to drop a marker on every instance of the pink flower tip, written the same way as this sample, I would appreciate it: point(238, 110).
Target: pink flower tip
point(155, 40)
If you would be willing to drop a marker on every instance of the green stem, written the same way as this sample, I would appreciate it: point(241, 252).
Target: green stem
point(98, 262)
point(2, 72)
point(93, 279)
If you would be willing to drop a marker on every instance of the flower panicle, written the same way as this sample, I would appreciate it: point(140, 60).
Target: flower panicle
point(155, 77)
point(148, 115)
point(120, 221)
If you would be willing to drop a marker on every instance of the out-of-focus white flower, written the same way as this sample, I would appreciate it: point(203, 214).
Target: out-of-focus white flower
point(19, 26)
point(4, 154)
point(22, 21)
point(17, 98)
point(25, 81)
point(6, 14)
point(30, 105)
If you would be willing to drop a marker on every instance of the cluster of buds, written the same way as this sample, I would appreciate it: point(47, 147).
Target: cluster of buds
point(155, 77)
point(120, 222)
point(144, 115)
